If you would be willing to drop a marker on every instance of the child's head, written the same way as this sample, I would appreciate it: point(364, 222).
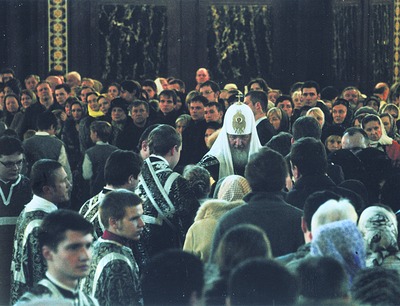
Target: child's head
point(101, 129)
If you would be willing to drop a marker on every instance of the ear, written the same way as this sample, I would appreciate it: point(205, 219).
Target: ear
point(304, 225)
point(46, 189)
point(113, 222)
point(47, 253)
point(145, 147)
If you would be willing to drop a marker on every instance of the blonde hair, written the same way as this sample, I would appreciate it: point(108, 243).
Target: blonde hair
point(316, 112)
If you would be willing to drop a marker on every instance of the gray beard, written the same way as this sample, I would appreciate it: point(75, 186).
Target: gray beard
point(239, 160)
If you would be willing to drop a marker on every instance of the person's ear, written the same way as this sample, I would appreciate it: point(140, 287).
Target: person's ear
point(113, 222)
point(47, 253)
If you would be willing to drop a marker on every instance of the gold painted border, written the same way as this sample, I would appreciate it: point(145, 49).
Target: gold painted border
point(396, 42)
point(58, 34)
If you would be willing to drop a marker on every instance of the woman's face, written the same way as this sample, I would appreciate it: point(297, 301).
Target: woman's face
point(113, 92)
point(333, 143)
point(386, 123)
point(297, 100)
point(26, 101)
point(12, 105)
point(76, 112)
point(104, 105)
point(92, 102)
point(275, 121)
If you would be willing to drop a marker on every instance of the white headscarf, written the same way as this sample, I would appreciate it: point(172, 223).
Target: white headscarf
point(385, 140)
point(239, 120)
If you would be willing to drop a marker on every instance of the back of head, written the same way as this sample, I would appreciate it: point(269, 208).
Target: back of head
point(172, 277)
point(233, 188)
point(262, 282)
point(314, 201)
point(309, 156)
point(10, 145)
point(240, 243)
point(376, 286)
point(42, 174)
point(162, 139)
point(115, 203)
point(120, 165)
point(199, 180)
point(322, 278)
point(56, 224)
point(280, 143)
point(103, 129)
point(306, 127)
point(262, 162)
point(332, 211)
point(46, 120)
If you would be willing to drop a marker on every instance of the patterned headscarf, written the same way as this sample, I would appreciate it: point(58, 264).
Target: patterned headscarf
point(342, 241)
point(233, 187)
point(379, 229)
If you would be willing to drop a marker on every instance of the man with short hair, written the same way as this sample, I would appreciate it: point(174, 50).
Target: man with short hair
point(15, 192)
point(6, 74)
point(65, 240)
point(31, 81)
point(310, 95)
point(44, 144)
point(114, 274)
point(130, 90)
point(176, 84)
point(140, 111)
point(236, 141)
point(202, 76)
point(258, 102)
point(213, 112)
point(121, 171)
point(150, 87)
point(193, 145)
point(210, 90)
point(355, 139)
point(352, 95)
point(173, 277)
point(95, 157)
point(169, 203)
point(266, 207)
point(50, 187)
point(62, 92)
point(167, 113)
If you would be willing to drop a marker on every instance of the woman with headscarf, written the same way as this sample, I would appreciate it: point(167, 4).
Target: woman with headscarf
point(342, 241)
point(378, 226)
point(199, 236)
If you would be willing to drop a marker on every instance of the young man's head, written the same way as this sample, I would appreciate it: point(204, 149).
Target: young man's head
point(210, 90)
point(306, 126)
point(310, 93)
point(308, 157)
point(259, 281)
point(49, 181)
point(47, 122)
point(62, 92)
point(196, 108)
point(165, 141)
point(100, 131)
point(130, 90)
point(173, 277)
point(257, 100)
point(339, 110)
point(11, 158)
point(122, 169)
point(266, 161)
point(120, 213)
point(167, 101)
point(150, 87)
point(65, 238)
point(213, 112)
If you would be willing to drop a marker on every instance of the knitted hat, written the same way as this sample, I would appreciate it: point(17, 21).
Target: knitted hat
point(119, 102)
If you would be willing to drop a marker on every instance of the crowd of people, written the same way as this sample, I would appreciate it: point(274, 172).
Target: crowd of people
point(150, 194)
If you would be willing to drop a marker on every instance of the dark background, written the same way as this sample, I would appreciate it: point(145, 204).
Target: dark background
point(334, 42)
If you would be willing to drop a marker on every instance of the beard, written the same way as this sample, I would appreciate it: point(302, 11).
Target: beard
point(239, 159)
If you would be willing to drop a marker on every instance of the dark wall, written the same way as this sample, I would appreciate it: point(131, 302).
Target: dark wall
point(334, 42)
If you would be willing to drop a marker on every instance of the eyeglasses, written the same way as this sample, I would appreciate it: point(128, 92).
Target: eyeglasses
point(10, 165)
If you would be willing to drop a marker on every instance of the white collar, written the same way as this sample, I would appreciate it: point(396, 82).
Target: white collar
point(38, 203)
